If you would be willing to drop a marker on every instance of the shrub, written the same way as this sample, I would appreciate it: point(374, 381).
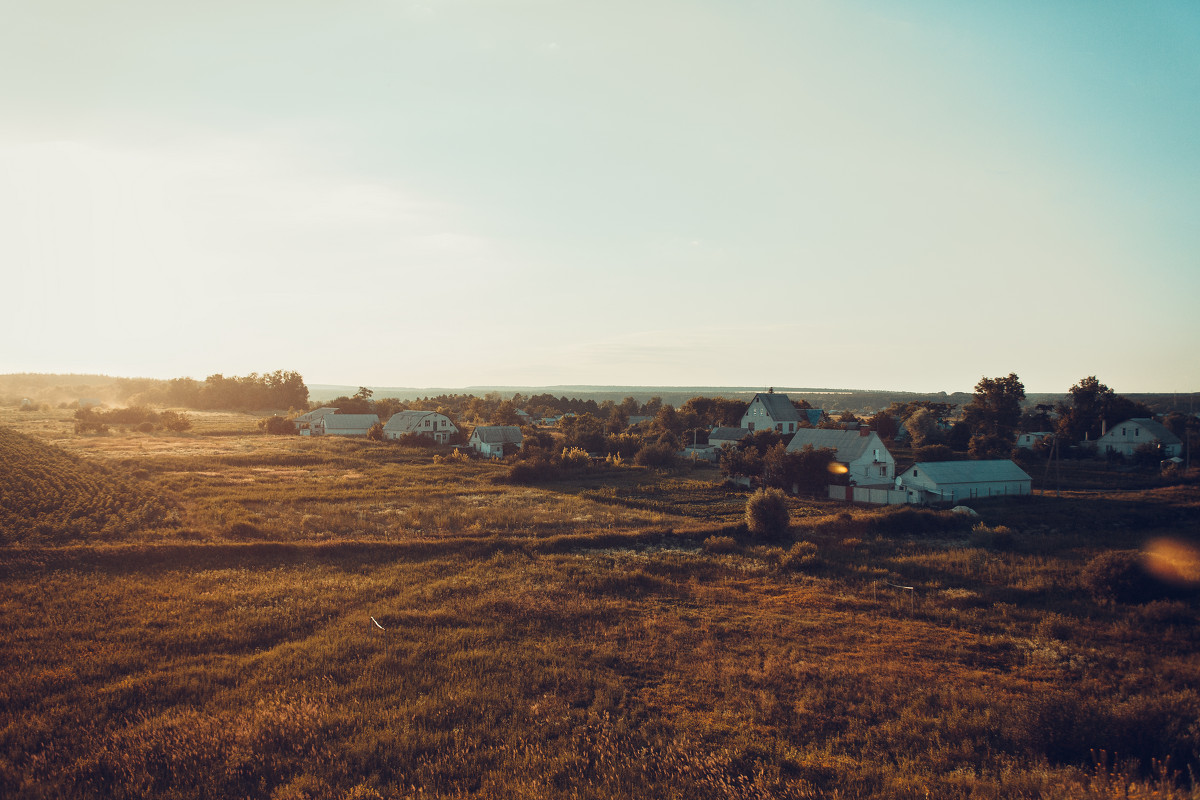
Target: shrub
point(721, 544)
point(533, 471)
point(574, 458)
point(1118, 575)
point(277, 426)
point(767, 514)
point(175, 422)
point(996, 537)
point(933, 452)
point(375, 432)
point(245, 530)
point(802, 555)
point(909, 521)
point(655, 455)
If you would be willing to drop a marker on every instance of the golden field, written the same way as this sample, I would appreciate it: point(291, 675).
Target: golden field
point(283, 617)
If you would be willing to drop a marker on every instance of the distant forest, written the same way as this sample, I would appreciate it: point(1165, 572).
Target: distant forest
point(286, 391)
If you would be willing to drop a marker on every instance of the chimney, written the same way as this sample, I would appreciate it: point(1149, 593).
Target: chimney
point(863, 430)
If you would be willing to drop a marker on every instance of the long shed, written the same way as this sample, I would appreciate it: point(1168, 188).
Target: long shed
point(952, 481)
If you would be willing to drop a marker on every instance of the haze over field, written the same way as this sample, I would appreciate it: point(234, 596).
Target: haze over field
point(902, 195)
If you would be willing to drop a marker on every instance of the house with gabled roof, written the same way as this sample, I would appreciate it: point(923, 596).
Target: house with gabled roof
point(864, 455)
point(956, 481)
point(775, 411)
point(1030, 440)
point(495, 441)
point(431, 424)
point(305, 422)
point(344, 424)
point(725, 438)
point(1126, 437)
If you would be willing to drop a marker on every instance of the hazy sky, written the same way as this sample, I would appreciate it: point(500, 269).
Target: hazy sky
point(904, 195)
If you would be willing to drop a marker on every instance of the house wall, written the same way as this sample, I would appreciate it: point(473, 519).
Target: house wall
point(757, 418)
point(876, 465)
point(1127, 437)
point(441, 433)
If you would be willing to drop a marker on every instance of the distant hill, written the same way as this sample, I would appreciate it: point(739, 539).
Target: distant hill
point(49, 496)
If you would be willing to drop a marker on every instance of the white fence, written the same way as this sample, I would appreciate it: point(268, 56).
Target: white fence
point(867, 494)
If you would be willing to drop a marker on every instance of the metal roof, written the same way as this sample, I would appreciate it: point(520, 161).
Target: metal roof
point(409, 421)
point(949, 472)
point(316, 414)
point(345, 421)
point(498, 434)
point(779, 407)
point(1155, 429)
point(850, 445)
point(728, 434)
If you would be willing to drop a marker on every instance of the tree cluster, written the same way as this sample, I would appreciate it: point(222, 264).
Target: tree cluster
point(141, 418)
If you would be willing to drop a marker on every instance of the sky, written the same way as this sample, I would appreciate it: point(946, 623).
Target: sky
point(902, 195)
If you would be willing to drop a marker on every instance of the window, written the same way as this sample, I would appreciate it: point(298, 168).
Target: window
point(779, 427)
point(426, 423)
point(883, 472)
point(791, 427)
point(1137, 431)
point(915, 473)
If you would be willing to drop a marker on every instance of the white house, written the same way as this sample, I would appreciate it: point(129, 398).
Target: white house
point(1126, 437)
point(1028, 440)
point(422, 423)
point(770, 410)
point(954, 481)
point(344, 424)
point(861, 452)
point(306, 422)
point(490, 440)
point(725, 438)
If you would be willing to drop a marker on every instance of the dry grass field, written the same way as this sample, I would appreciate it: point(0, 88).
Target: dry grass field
point(311, 618)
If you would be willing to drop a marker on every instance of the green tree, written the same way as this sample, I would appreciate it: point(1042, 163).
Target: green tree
point(1093, 406)
point(996, 409)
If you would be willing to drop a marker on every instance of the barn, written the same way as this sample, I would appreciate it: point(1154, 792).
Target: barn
point(954, 481)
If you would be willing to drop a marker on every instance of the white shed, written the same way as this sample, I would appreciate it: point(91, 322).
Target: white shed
point(490, 440)
point(345, 424)
point(952, 481)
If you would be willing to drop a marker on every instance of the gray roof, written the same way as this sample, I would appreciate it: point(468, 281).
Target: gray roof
point(850, 445)
point(498, 434)
point(341, 422)
point(1155, 429)
point(728, 434)
point(408, 421)
point(316, 414)
point(948, 472)
point(779, 407)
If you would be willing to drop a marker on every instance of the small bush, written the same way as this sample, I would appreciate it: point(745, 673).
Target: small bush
point(802, 555)
point(767, 514)
point(655, 455)
point(245, 530)
point(277, 426)
point(721, 544)
point(1118, 576)
point(996, 537)
point(533, 471)
point(908, 521)
point(575, 458)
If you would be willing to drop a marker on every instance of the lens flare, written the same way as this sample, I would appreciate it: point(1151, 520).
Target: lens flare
point(838, 469)
point(1173, 561)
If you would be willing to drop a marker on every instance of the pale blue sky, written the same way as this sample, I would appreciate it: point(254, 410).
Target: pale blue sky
point(898, 195)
